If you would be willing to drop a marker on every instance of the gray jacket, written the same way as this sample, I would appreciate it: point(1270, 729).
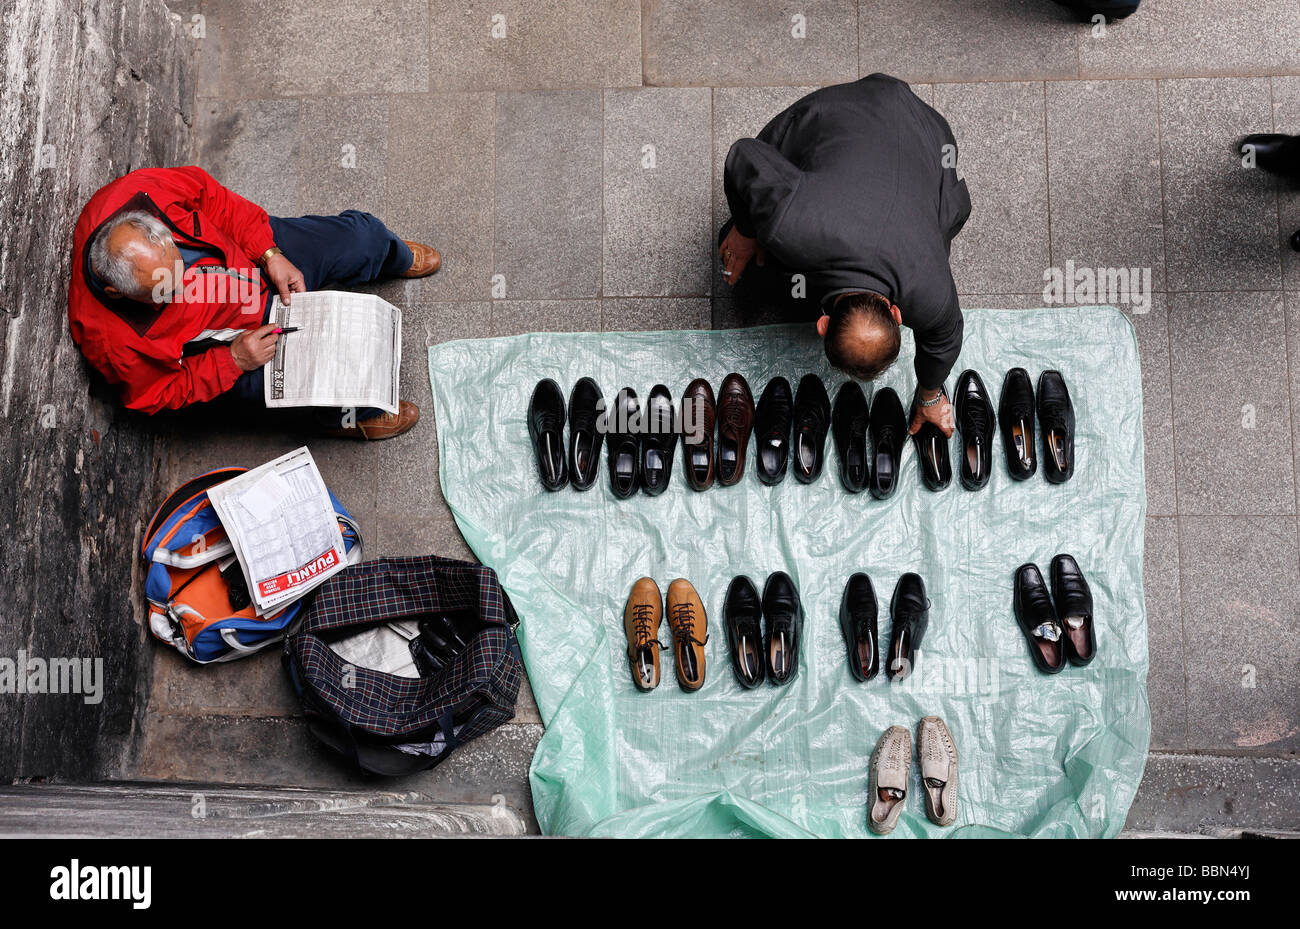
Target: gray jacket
point(849, 186)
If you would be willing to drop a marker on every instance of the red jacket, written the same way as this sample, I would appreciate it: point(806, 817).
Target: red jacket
point(143, 346)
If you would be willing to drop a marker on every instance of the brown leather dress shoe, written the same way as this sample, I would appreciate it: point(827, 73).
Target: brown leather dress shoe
point(641, 618)
point(698, 417)
point(427, 260)
point(690, 628)
point(735, 423)
point(383, 426)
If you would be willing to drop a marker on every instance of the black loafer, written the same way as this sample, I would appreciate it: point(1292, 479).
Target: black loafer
point(812, 420)
point(624, 444)
point(783, 614)
point(658, 442)
point(585, 405)
point(1038, 620)
point(772, 422)
point(743, 616)
point(888, 435)
point(975, 422)
point(858, 611)
point(909, 613)
point(931, 450)
point(546, 429)
point(849, 419)
point(1056, 423)
point(1073, 601)
point(1016, 420)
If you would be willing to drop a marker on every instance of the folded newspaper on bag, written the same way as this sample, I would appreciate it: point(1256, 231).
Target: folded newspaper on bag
point(347, 352)
point(284, 529)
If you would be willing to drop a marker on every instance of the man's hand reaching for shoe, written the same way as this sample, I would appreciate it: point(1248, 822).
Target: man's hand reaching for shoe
point(255, 347)
point(940, 414)
point(735, 251)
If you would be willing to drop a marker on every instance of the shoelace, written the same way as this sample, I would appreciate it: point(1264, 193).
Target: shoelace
point(683, 623)
point(977, 419)
point(1052, 414)
point(733, 416)
point(584, 418)
point(642, 616)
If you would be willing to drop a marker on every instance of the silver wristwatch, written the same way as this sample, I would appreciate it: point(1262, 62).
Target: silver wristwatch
point(931, 402)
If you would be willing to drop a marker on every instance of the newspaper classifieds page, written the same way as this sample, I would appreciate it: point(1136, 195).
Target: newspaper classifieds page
point(346, 352)
point(284, 529)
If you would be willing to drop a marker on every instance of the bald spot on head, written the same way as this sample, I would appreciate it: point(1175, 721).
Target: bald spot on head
point(867, 341)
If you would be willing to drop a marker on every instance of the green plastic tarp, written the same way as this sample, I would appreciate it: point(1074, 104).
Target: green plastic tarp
point(1039, 755)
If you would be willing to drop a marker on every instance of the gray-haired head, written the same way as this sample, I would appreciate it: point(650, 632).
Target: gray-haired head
point(125, 251)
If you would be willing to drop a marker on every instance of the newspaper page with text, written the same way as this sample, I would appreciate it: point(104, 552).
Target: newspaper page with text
point(346, 352)
point(281, 521)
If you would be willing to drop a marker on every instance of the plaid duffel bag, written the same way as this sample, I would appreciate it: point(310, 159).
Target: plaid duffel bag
point(400, 660)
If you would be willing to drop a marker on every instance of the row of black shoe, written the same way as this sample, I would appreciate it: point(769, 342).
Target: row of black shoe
point(763, 635)
point(973, 412)
point(790, 431)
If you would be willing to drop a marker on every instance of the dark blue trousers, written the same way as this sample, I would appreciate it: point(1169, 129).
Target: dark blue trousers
point(334, 251)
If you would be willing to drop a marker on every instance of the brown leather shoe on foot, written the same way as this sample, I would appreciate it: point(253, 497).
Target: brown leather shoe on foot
point(641, 618)
point(690, 633)
point(735, 423)
point(427, 260)
point(383, 426)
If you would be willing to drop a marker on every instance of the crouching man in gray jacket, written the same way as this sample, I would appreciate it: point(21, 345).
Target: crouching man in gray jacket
point(855, 187)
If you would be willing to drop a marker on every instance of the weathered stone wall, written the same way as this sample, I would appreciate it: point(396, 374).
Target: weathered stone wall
point(89, 90)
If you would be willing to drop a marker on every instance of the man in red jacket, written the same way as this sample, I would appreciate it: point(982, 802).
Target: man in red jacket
point(169, 292)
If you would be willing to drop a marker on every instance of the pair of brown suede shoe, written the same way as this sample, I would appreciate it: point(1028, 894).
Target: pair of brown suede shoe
point(642, 617)
point(733, 414)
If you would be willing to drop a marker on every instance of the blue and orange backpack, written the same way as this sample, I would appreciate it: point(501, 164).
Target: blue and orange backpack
point(198, 599)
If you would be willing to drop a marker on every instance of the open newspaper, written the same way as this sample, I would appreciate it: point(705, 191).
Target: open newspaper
point(347, 352)
point(284, 529)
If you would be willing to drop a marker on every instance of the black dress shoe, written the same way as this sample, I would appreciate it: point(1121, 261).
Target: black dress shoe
point(1038, 620)
point(1056, 422)
point(743, 616)
point(585, 405)
point(888, 435)
point(698, 417)
point(546, 429)
point(784, 616)
point(974, 415)
point(1073, 602)
point(849, 419)
point(910, 616)
point(772, 421)
point(858, 611)
point(658, 441)
point(931, 450)
point(1016, 420)
point(1274, 152)
point(812, 420)
point(624, 443)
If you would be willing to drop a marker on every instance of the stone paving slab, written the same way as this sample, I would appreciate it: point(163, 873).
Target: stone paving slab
point(283, 48)
point(967, 40)
point(548, 194)
point(1195, 37)
point(730, 42)
point(999, 127)
point(657, 212)
point(534, 44)
point(1232, 422)
point(1220, 218)
point(1166, 675)
point(1240, 613)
